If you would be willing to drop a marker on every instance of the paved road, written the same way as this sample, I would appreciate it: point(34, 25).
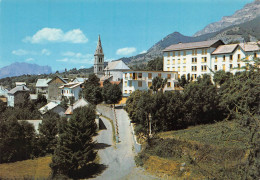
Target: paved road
point(119, 158)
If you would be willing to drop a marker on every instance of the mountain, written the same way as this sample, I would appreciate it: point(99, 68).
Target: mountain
point(249, 12)
point(245, 32)
point(17, 69)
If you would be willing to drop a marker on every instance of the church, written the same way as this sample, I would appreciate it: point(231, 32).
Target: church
point(113, 71)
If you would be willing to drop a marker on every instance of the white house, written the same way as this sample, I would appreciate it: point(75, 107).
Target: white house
point(79, 79)
point(114, 70)
point(198, 58)
point(142, 80)
point(71, 89)
point(54, 107)
point(42, 86)
point(3, 91)
point(230, 57)
point(190, 58)
point(15, 95)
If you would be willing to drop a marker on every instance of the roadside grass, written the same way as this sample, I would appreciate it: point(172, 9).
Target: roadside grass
point(29, 169)
point(215, 151)
point(113, 129)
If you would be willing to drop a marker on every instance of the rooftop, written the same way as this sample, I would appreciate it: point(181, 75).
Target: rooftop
point(42, 82)
point(18, 88)
point(71, 85)
point(225, 49)
point(192, 45)
point(80, 103)
point(48, 107)
point(116, 65)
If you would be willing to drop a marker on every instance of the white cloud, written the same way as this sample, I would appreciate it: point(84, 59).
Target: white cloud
point(77, 58)
point(144, 51)
point(57, 35)
point(20, 52)
point(45, 52)
point(29, 59)
point(63, 60)
point(126, 51)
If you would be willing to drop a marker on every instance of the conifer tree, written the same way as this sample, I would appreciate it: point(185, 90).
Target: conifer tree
point(75, 148)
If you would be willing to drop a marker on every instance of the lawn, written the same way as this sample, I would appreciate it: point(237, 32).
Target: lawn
point(29, 169)
point(215, 151)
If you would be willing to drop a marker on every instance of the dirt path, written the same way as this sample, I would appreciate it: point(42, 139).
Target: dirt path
point(118, 159)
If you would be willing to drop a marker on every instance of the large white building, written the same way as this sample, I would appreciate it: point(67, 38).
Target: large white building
point(142, 80)
point(198, 58)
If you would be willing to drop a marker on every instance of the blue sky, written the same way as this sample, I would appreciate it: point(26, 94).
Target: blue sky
point(63, 33)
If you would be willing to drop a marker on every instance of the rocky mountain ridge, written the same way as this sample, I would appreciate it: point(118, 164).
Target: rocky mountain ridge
point(249, 12)
point(17, 69)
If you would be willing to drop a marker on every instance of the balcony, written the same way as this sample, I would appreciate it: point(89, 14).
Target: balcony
point(136, 78)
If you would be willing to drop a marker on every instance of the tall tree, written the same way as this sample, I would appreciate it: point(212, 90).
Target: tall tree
point(112, 93)
point(75, 148)
point(92, 90)
point(158, 84)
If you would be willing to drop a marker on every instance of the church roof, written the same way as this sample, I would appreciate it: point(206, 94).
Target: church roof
point(99, 49)
point(116, 65)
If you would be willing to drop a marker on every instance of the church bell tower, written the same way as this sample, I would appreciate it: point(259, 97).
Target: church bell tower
point(99, 60)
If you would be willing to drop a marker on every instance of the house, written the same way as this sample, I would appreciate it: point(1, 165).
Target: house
point(229, 57)
point(42, 86)
point(3, 91)
point(71, 89)
point(198, 58)
point(79, 103)
point(114, 70)
point(53, 107)
point(20, 83)
point(78, 80)
point(54, 92)
point(16, 95)
point(142, 80)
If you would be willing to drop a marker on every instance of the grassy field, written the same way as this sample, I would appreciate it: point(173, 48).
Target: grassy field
point(29, 169)
point(201, 152)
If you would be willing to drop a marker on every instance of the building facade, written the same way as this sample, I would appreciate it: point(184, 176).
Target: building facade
point(71, 89)
point(198, 58)
point(42, 86)
point(99, 60)
point(54, 92)
point(17, 95)
point(142, 80)
point(114, 70)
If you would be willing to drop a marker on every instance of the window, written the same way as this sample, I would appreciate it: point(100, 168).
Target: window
point(149, 84)
point(216, 67)
point(184, 68)
point(173, 61)
point(131, 75)
point(173, 53)
point(173, 68)
point(224, 67)
point(230, 66)
point(179, 68)
point(139, 83)
point(125, 91)
point(216, 59)
point(159, 75)
point(238, 65)
point(125, 75)
point(131, 91)
point(150, 75)
point(179, 53)
point(255, 55)
point(179, 76)
point(202, 51)
point(168, 68)
point(179, 61)
point(168, 84)
point(224, 58)
point(194, 68)
point(204, 59)
point(168, 61)
point(194, 52)
point(230, 57)
point(194, 60)
point(238, 57)
point(184, 61)
point(169, 54)
point(184, 53)
point(139, 75)
point(206, 51)
point(204, 68)
point(125, 83)
point(168, 76)
point(130, 83)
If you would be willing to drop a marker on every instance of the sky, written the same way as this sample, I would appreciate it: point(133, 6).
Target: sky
point(64, 33)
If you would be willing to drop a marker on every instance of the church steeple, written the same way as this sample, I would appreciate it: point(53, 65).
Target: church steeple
point(99, 59)
point(99, 49)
